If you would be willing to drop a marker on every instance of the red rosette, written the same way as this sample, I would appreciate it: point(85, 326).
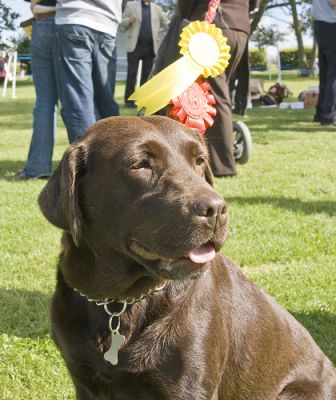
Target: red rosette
point(194, 107)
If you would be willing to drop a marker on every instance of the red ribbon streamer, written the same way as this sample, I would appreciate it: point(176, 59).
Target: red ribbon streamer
point(211, 13)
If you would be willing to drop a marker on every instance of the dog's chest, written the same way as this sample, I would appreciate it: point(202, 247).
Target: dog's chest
point(156, 364)
point(103, 341)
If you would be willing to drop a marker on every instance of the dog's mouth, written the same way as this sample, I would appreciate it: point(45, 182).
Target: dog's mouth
point(194, 261)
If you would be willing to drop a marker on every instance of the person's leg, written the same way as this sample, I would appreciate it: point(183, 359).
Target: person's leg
point(328, 48)
point(133, 59)
point(147, 65)
point(322, 61)
point(147, 56)
point(242, 89)
point(75, 48)
point(104, 75)
point(330, 105)
point(42, 50)
point(220, 134)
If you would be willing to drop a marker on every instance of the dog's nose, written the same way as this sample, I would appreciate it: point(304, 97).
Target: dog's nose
point(211, 209)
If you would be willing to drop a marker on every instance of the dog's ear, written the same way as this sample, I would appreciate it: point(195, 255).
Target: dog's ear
point(59, 198)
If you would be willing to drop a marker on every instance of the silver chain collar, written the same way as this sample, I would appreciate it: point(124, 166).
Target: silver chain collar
point(117, 339)
point(128, 300)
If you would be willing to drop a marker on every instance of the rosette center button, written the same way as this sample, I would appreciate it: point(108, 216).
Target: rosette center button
point(204, 49)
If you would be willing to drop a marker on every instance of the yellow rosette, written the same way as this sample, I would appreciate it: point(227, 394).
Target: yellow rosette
point(205, 52)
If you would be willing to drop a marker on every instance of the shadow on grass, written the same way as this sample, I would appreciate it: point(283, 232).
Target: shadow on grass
point(295, 205)
point(9, 168)
point(24, 313)
point(322, 328)
point(288, 124)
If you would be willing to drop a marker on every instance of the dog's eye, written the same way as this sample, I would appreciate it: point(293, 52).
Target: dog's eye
point(143, 164)
point(200, 160)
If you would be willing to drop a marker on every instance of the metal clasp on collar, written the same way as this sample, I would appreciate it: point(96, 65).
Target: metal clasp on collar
point(117, 340)
point(115, 315)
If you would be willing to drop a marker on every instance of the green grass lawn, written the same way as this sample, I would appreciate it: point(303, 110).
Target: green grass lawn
point(283, 235)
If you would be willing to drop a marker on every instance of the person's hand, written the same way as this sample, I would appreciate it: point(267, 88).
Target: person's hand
point(333, 3)
point(131, 20)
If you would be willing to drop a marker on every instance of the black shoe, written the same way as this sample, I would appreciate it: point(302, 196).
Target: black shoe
point(326, 123)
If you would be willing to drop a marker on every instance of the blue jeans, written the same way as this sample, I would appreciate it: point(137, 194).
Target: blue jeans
point(43, 59)
point(87, 67)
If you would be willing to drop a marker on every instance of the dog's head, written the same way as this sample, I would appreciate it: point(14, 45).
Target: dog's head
point(141, 191)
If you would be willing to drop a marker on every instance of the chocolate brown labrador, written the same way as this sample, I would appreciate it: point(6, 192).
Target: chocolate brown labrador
point(145, 306)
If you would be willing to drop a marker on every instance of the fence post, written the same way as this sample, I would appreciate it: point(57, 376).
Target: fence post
point(12, 61)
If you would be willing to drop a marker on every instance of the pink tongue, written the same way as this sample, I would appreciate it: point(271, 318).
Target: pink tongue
point(202, 254)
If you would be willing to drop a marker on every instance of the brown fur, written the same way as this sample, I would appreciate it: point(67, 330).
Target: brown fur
point(210, 334)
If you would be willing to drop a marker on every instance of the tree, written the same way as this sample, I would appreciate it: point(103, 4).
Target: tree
point(21, 44)
point(297, 26)
point(258, 14)
point(169, 6)
point(7, 17)
point(299, 11)
point(306, 18)
point(266, 36)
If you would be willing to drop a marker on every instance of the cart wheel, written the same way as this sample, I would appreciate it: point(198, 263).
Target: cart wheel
point(242, 142)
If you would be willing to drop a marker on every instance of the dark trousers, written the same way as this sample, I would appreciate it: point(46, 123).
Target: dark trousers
point(144, 52)
point(240, 84)
point(220, 134)
point(325, 34)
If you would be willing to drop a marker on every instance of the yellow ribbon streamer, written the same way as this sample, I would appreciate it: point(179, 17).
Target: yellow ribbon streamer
point(204, 51)
point(28, 31)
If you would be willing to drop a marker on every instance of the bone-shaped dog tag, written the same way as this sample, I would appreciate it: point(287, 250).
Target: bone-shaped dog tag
point(112, 353)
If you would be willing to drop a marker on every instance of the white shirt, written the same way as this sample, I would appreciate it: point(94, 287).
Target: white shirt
point(323, 11)
point(100, 15)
